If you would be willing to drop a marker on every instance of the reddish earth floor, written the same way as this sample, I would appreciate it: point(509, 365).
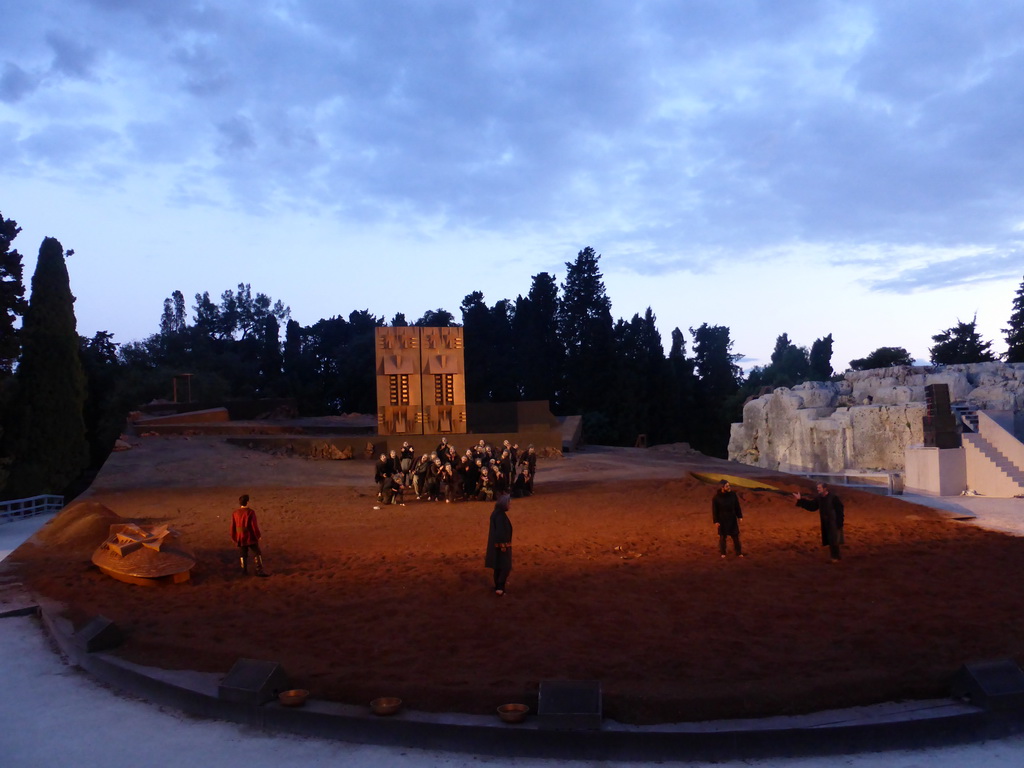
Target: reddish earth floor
point(614, 579)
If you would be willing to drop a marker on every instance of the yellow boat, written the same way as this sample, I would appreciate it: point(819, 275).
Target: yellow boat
point(714, 478)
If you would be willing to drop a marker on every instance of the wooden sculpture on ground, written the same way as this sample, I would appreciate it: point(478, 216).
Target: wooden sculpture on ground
point(144, 555)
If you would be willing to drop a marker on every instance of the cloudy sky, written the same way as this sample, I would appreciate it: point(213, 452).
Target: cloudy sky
point(798, 166)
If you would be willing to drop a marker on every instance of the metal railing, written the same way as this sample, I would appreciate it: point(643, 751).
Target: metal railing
point(885, 483)
point(16, 509)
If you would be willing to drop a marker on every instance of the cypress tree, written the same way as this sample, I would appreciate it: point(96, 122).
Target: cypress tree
point(1015, 333)
point(47, 436)
point(821, 359)
point(586, 330)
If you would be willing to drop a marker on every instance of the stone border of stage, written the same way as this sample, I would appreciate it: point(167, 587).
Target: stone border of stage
point(905, 725)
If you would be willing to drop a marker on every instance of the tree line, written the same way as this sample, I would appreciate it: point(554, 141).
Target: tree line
point(64, 398)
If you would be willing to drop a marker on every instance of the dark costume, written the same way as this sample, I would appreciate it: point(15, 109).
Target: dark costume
point(725, 510)
point(432, 481)
point(419, 475)
point(245, 532)
point(530, 460)
point(521, 486)
point(830, 510)
point(393, 490)
point(499, 544)
point(408, 458)
point(381, 471)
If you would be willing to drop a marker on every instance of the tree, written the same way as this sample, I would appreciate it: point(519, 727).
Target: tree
point(1014, 334)
point(960, 344)
point(682, 390)
point(790, 363)
point(47, 440)
point(172, 321)
point(539, 352)
point(436, 318)
point(103, 412)
point(538, 349)
point(207, 318)
point(271, 361)
point(883, 357)
point(718, 381)
point(821, 359)
point(641, 381)
point(585, 328)
point(12, 296)
point(488, 335)
point(477, 355)
point(714, 360)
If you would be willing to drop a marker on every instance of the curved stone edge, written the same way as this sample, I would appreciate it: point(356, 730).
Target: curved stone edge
point(936, 724)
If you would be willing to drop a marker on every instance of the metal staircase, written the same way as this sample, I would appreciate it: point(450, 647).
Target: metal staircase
point(966, 415)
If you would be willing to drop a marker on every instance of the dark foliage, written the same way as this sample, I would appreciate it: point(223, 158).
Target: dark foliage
point(12, 296)
point(883, 357)
point(961, 344)
point(585, 329)
point(46, 429)
point(1014, 333)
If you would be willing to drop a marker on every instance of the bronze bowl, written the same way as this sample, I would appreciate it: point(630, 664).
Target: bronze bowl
point(293, 698)
point(385, 705)
point(513, 713)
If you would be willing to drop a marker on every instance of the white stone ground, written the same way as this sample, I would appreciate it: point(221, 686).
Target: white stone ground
point(53, 715)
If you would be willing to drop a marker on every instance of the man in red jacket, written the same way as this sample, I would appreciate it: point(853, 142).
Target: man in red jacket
point(245, 532)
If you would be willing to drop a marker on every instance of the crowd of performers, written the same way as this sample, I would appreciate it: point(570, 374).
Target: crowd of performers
point(482, 473)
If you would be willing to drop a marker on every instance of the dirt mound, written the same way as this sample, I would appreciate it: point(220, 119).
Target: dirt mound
point(82, 526)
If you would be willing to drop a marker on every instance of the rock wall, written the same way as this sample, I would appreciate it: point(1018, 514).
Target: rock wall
point(867, 419)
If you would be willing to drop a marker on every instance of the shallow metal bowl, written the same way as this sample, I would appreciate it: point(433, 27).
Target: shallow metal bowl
point(513, 713)
point(385, 705)
point(293, 698)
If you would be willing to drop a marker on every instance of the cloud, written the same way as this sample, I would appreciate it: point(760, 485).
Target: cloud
point(668, 135)
point(71, 58)
point(978, 267)
point(16, 83)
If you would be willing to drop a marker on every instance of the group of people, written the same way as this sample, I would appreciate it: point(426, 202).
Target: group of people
point(482, 473)
point(726, 514)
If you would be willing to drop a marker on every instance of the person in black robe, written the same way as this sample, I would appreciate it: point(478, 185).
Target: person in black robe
point(832, 516)
point(393, 490)
point(432, 484)
point(499, 544)
point(529, 459)
point(726, 514)
point(407, 459)
point(521, 486)
point(442, 449)
point(380, 474)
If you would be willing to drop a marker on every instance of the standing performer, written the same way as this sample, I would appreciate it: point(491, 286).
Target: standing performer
point(245, 532)
point(831, 513)
point(499, 544)
point(726, 513)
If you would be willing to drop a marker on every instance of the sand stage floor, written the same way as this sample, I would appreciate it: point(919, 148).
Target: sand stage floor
point(616, 577)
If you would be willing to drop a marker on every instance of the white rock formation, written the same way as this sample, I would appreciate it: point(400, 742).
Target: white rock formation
point(866, 420)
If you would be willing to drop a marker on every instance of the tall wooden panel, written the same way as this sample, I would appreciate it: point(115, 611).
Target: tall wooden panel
point(443, 381)
point(399, 394)
point(421, 381)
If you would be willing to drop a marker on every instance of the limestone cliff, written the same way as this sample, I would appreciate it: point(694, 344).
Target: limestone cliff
point(866, 419)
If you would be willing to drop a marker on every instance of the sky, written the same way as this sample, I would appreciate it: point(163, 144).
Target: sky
point(803, 167)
